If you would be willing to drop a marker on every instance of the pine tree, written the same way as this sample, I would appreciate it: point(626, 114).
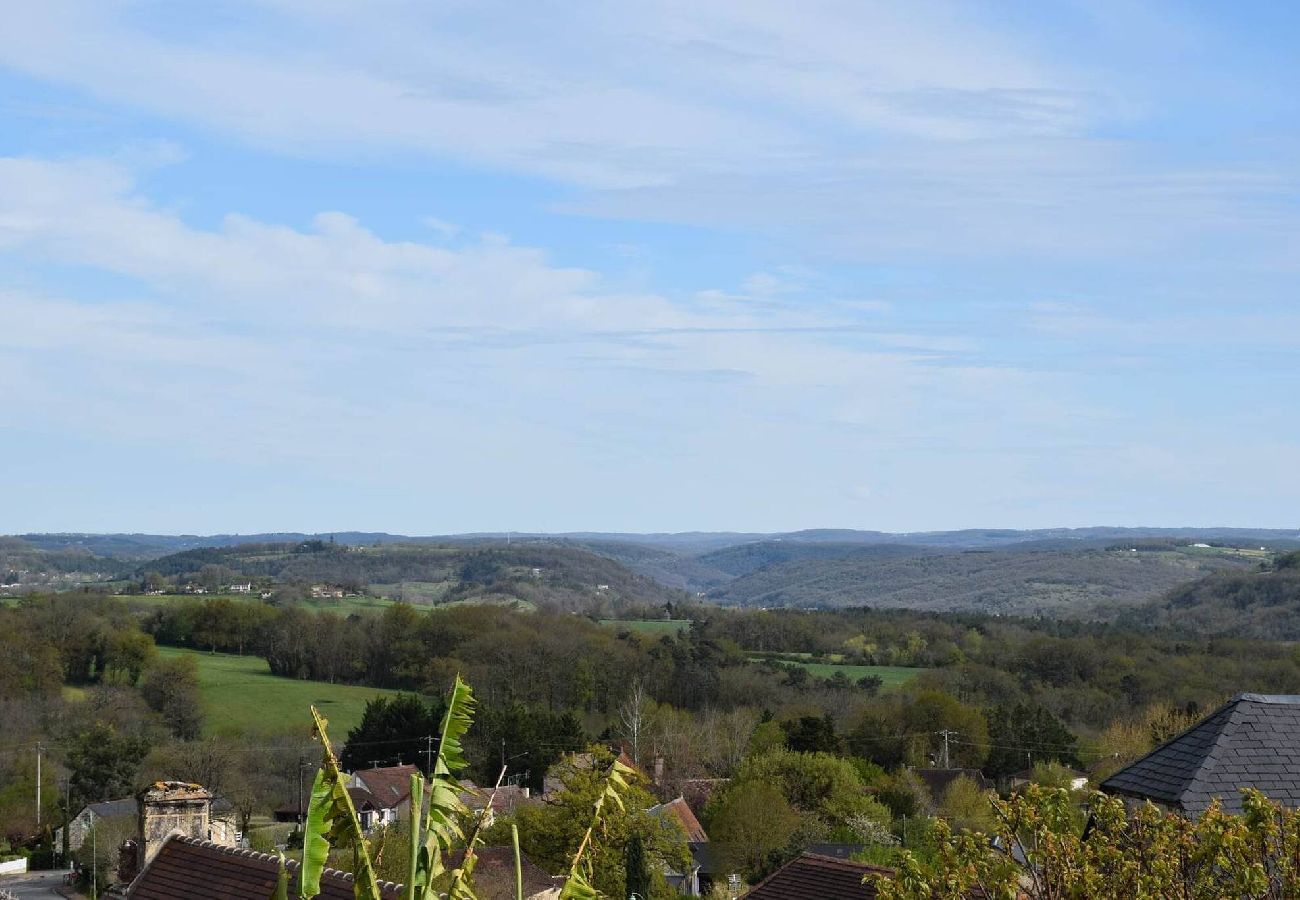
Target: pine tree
point(638, 876)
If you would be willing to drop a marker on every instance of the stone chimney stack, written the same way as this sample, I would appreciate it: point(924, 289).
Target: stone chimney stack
point(172, 807)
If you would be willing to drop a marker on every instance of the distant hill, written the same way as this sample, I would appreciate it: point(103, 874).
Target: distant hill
point(1260, 604)
point(554, 575)
point(1090, 583)
point(1051, 571)
point(689, 543)
point(745, 559)
point(21, 560)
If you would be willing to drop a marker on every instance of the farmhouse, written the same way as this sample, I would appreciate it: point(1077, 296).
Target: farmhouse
point(1253, 741)
point(387, 793)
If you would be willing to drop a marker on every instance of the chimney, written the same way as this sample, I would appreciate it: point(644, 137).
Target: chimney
point(659, 770)
point(171, 807)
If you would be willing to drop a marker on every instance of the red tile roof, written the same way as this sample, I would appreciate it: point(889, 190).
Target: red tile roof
point(189, 869)
point(391, 785)
point(813, 877)
point(681, 811)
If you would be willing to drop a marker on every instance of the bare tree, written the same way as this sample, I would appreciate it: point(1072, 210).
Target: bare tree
point(634, 718)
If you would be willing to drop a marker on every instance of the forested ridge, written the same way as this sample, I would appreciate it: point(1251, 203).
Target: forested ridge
point(1258, 604)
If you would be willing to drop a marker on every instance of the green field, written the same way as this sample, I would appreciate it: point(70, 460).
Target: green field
point(891, 676)
point(649, 626)
point(241, 696)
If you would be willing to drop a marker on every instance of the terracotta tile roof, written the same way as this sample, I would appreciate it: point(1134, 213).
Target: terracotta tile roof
point(813, 877)
point(391, 785)
point(1252, 741)
point(189, 869)
point(681, 811)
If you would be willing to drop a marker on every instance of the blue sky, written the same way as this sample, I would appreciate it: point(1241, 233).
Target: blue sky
point(433, 267)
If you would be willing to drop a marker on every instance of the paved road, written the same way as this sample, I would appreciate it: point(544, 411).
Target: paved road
point(33, 886)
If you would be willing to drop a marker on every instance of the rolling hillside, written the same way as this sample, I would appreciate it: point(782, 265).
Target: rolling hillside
point(1260, 604)
point(1089, 583)
point(540, 574)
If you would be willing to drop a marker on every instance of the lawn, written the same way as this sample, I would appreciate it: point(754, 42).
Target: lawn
point(240, 695)
point(891, 676)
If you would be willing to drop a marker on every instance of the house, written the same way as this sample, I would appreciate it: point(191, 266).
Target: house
point(369, 811)
point(811, 876)
point(245, 588)
point(389, 790)
point(679, 812)
point(108, 811)
point(1252, 741)
point(186, 868)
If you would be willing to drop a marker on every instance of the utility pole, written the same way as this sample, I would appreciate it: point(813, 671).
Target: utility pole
point(428, 754)
point(38, 785)
point(946, 734)
point(94, 858)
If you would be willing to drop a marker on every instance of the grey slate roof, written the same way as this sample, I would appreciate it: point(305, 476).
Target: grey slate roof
point(113, 809)
point(1252, 741)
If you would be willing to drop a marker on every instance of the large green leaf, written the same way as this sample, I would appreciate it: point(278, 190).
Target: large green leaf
point(444, 810)
point(315, 838)
point(332, 822)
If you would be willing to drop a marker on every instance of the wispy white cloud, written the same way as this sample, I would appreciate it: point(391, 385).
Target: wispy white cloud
point(251, 321)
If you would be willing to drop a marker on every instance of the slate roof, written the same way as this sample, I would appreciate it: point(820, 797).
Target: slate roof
point(189, 869)
point(112, 809)
point(812, 877)
point(680, 810)
point(1252, 741)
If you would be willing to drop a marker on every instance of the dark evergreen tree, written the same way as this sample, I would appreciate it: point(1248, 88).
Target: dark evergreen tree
point(812, 734)
point(1024, 734)
point(638, 873)
point(394, 730)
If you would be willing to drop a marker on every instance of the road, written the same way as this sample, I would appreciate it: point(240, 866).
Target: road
point(33, 886)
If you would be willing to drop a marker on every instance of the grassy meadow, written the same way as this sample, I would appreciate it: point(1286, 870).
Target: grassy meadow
point(649, 626)
point(240, 695)
point(891, 676)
